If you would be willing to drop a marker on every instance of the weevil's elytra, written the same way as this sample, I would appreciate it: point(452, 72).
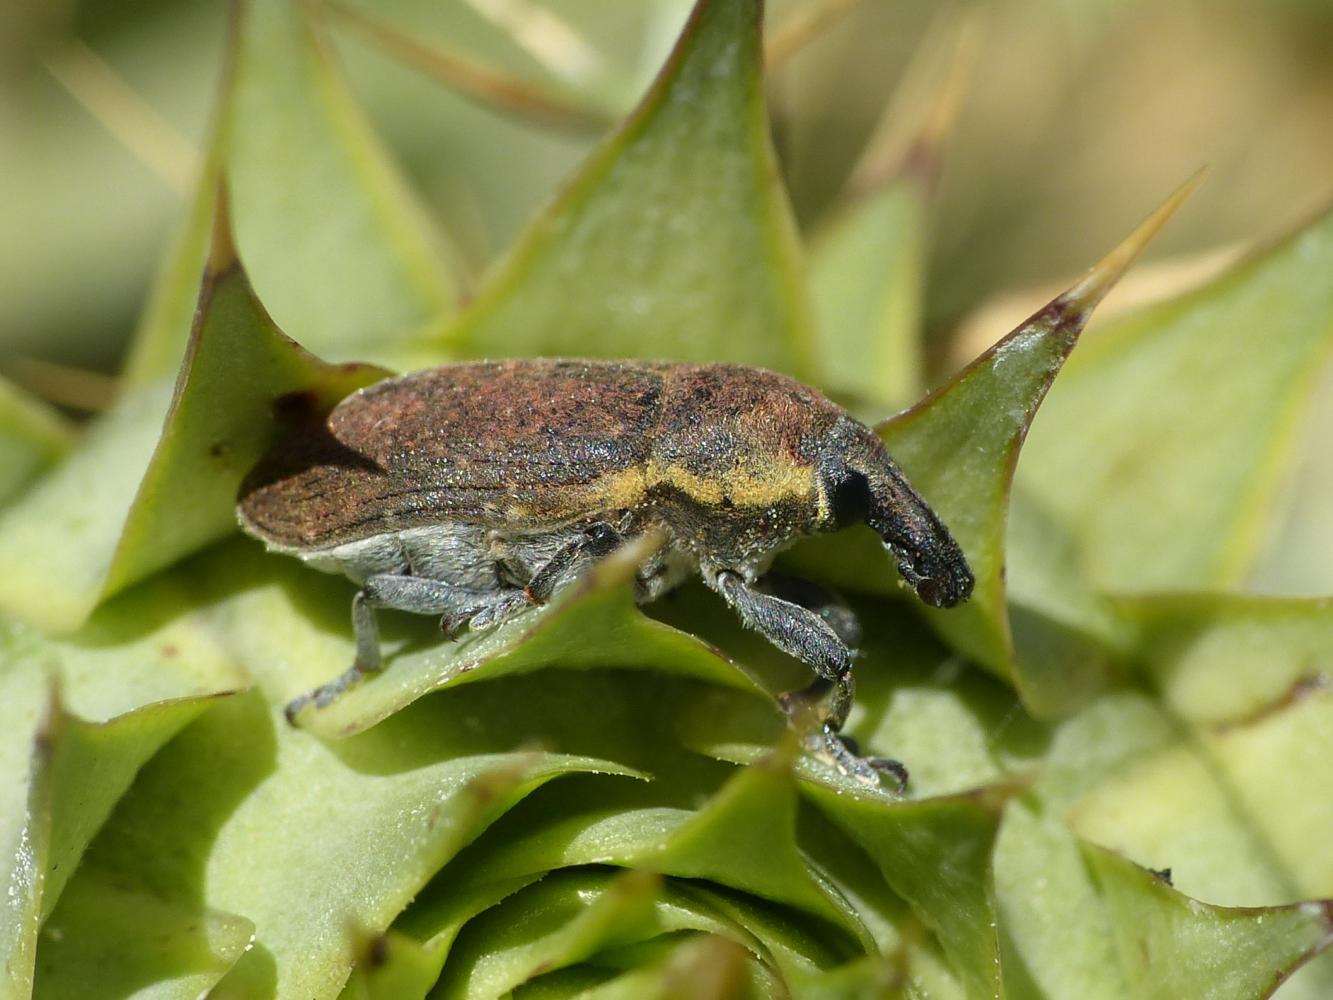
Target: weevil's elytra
point(472, 491)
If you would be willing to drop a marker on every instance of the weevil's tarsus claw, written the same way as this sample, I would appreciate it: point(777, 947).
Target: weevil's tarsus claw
point(845, 757)
point(294, 707)
point(326, 694)
point(818, 712)
point(894, 768)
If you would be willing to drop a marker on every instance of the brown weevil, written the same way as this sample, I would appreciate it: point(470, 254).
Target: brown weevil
point(473, 491)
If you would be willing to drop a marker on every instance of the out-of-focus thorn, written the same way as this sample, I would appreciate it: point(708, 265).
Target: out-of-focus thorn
point(710, 968)
point(65, 385)
point(1083, 297)
point(919, 120)
point(797, 30)
point(222, 245)
point(485, 85)
point(548, 38)
point(1146, 284)
point(123, 112)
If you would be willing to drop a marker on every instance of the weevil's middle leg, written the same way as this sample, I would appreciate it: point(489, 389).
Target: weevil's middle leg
point(818, 636)
point(594, 542)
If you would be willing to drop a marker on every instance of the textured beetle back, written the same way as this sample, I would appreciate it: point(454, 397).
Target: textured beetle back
point(502, 442)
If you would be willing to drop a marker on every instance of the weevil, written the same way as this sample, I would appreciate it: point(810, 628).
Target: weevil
point(474, 491)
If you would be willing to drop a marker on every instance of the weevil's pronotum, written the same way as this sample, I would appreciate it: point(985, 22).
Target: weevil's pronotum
point(473, 491)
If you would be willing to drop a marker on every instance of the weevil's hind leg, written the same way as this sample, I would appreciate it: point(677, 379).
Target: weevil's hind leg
point(402, 593)
point(812, 624)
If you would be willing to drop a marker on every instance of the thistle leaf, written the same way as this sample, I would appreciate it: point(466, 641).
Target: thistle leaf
point(1159, 931)
point(220, 420)
point(292, 631)
point(1197, 401)
point(959, 447)
point(378, 818)
point(949, 886)
point(62, 776)
point(107, 938)
point(346, 262)
point(867, 258)
point(674, 240)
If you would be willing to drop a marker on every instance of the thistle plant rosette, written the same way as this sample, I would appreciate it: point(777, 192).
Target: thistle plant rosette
point(1119, 753)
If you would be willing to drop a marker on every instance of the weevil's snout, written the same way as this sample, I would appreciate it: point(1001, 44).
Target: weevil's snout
point(928, 557)
point(939, 574)
point(862, 484)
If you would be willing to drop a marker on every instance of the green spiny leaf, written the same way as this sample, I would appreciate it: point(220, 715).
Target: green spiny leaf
point(1226, 660)
point(340, 248)
point(601, 604)
point(959, 447)
point(866, 283)
point(1160, 935)
point(562, 920)
point(344, 259)
point(237, 370)
point(1190, 407)
point(935, 853)
point(743, 837)
point(867, 259)
point(707, 967)
point(377, 818)
point(404, 963)
point(675, 240)
point(93, 539)
point(57, 539)
point(62, 777)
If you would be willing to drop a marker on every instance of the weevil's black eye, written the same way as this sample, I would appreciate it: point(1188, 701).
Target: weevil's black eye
point(849, 497)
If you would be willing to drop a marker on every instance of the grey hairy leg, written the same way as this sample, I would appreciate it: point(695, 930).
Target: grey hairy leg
point(457, 606)
point(793, 629)
point(488, 609)
point(842, 619)
point(828, 605)
point(387, 590)
point(818, 636)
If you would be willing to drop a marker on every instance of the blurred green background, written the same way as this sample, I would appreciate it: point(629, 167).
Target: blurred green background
point(1079, 116)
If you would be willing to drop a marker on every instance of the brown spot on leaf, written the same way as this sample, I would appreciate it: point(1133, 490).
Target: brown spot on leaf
point(1297, 691)
point(295, 405)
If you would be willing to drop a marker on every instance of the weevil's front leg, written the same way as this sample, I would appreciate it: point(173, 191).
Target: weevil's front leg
point(812, 636)
point(402, 593)
point(793, 629)
point(834, 613)
point(817, 598)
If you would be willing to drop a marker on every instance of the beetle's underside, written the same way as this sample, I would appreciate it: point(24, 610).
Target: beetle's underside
point(474, 491)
